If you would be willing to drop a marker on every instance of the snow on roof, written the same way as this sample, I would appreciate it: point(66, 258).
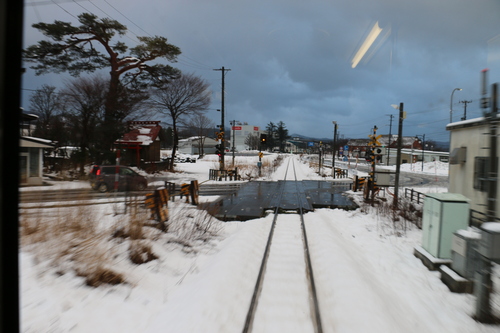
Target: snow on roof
point(142, 133)
point(39, 141)
point(469, 234)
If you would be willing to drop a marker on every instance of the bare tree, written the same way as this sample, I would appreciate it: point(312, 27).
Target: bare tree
point(203, 127)
point(90, 47)
point(84, 103)
point(45, 104)
point(252, 141)
point(180, 98)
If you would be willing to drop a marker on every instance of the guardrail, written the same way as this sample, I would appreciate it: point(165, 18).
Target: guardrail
point(476, 218)
point(414, 195)
point(214, 174)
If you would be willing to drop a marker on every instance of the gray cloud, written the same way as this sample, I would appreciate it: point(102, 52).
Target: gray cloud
point(290, 60)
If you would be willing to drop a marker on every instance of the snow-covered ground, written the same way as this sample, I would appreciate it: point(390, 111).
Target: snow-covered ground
point(367, 277)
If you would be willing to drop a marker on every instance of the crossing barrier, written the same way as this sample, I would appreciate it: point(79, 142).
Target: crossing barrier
point(359, 183)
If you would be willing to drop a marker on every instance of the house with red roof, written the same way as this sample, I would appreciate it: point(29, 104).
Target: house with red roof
point(141, 143)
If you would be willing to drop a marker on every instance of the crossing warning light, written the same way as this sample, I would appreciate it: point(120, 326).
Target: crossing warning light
point(370, 156)
point(218, 150)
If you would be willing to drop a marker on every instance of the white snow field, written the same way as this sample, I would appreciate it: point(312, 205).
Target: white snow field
point(367, 277)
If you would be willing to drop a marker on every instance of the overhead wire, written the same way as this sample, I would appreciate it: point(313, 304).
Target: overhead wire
point(182, 58)
point(64, 9)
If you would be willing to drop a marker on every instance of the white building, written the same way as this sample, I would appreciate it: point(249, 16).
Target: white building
point(239, 133)
point(470, 143)
point(191, 145)
point(31, 159)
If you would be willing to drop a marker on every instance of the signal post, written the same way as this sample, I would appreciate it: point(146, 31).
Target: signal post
point(371, 157)
point(219, 148)
point(263, 142)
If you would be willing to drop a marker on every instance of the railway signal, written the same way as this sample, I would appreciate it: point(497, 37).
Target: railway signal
point(374, 140)
point(263, 139)
point(218, 150)
point(372, 155)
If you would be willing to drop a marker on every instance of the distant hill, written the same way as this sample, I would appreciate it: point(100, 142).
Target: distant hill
point(442, 145)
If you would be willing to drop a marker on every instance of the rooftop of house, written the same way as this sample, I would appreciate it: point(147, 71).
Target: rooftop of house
point(141, 133)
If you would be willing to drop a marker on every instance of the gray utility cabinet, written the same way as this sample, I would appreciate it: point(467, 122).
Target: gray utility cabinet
point(444, 213)
point(490, 241)
point(464, 253)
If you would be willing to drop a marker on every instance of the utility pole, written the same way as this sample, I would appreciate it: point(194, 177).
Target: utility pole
point(335, 126)
point(223, 149)
point(390, 139)
point(398, 157)
point(371, 180)
point(492, 188)
point(465, 109)
point(484, 284)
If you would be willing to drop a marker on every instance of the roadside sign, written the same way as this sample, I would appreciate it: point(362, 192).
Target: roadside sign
point(310, 144)
point(346, 147)
point(261, 155)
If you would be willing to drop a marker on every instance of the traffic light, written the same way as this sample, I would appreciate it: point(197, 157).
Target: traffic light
point(218, 150)
point(263, 139)
point(369, 156)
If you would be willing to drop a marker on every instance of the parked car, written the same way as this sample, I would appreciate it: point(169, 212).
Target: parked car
point(102, 178)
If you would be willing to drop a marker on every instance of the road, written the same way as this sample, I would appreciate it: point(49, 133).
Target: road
point(406, 179)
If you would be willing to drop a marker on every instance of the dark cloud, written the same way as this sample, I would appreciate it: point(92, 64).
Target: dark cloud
point(290, 60)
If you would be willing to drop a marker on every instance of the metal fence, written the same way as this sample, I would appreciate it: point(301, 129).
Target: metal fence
point(219, 175)
point(414, 195)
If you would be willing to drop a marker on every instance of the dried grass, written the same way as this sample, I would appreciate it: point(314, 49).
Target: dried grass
point(70, 241)
point(390, 219)
point(73, 239)
point(140, 252)
point(189, 225)
point(103, 276)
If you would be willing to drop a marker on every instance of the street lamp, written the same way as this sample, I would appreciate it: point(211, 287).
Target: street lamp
point(451, 102)
point(402, 116)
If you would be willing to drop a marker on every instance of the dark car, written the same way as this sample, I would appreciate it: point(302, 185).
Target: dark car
point(103, 178)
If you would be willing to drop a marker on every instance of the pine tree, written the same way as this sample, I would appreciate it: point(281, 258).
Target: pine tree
point(90, 47)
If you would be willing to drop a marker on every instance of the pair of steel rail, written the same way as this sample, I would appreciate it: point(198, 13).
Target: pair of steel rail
point(314, 306)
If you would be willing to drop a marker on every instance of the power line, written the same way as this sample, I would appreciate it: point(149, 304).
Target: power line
point(189, 62)
point(64, 9)
point(50, 2)
point(119, 12)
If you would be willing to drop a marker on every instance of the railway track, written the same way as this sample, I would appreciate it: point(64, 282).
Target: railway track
point(286, 254)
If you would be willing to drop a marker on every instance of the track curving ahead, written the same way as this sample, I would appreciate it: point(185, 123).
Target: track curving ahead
point(286, 247)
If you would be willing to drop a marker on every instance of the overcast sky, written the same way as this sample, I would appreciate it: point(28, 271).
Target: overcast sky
point(291, 60)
